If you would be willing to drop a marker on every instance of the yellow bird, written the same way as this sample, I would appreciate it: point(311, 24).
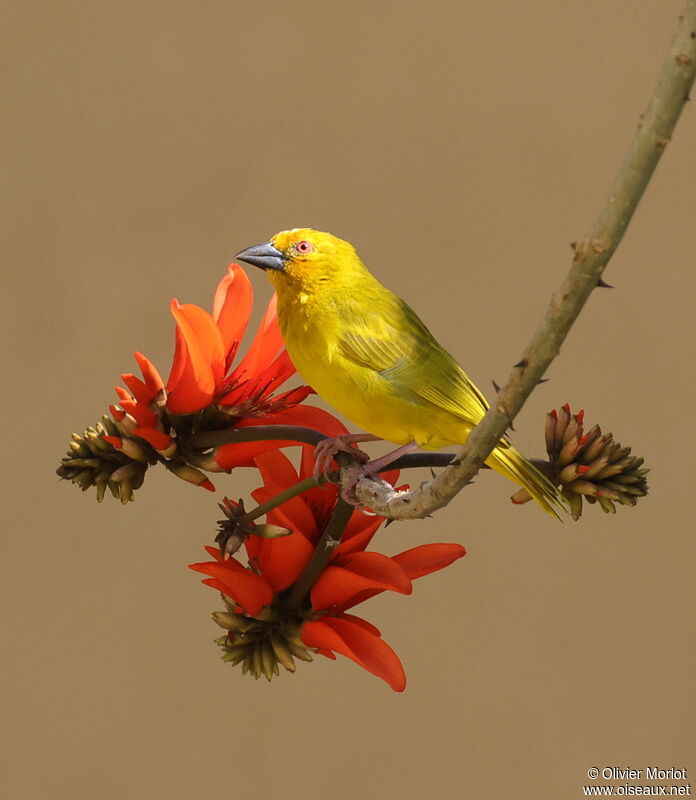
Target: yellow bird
point(369, 355)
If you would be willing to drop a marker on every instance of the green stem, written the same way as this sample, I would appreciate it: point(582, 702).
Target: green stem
point(329, 541)
point(288, 494)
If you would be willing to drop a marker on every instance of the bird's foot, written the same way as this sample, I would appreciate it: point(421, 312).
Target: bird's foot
point(354, 474)
point(352, 477)
point(325, 451)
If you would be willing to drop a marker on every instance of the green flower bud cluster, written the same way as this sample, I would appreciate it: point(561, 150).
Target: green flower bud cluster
point(111, 455)
point(263, 643)
point(93, 461)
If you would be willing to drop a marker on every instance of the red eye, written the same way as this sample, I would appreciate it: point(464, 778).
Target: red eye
point(304, 247)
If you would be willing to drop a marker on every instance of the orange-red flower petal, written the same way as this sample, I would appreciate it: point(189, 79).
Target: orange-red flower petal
point(198, 359)
point(150, 373)
point(276, 469)
point(201, 334)
point(191, 384)
point(122, 393)
point(251, 591)
point(308, 417)
point(427, 558)
point(266, 346)
point(155, 438)
point(343, 635)
point(140, 413)
point(232, 308)
point(358, 533)
point(139, 389)
point(281, 560)
point(416, 562)
point(358, 572)
point(363, 623)
point(294, 513)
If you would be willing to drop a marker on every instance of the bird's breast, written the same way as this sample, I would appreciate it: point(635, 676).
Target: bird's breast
point(361, 394)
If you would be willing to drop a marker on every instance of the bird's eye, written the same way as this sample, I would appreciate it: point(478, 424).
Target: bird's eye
point(304, 247)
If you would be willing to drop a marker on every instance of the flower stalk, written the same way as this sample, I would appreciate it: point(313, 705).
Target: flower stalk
point(287, 494)
point(256, 433)
point(329, 541)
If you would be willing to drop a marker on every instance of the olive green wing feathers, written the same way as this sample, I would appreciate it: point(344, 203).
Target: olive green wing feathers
point(394, 343)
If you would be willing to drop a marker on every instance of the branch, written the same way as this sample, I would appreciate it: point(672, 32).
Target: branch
point(405, 462)
point(330, 540)
point(591, 256)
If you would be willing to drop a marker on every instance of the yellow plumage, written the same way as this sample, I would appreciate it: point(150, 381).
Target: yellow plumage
point(366, 352)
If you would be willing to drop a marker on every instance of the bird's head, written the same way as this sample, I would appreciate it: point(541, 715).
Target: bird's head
point(303, 259)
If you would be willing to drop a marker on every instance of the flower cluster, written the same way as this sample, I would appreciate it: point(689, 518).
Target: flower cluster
point(206, 391)
point(93, 461)
point(290, 591)
point(588, 465)
point(294, 595)
point(592, 465)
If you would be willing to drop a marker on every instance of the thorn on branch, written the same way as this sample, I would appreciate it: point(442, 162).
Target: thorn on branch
point(522, 364)
point(495, 386)
point(581, 249)
point(602, 284)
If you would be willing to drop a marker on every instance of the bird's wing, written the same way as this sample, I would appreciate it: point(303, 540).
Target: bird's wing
point(394, 343)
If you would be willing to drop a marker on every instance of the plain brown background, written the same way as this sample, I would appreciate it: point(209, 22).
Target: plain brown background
point(461, 146)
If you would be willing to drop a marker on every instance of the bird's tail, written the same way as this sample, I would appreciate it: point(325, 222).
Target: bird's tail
point(513, 465)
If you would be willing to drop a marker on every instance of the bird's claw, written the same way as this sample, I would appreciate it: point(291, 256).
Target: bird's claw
point(325, 451)
point(351, 481)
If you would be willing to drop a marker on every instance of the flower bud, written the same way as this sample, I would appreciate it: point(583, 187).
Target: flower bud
point(191, 475)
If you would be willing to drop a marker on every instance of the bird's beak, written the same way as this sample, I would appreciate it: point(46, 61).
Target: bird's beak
point(263, 255)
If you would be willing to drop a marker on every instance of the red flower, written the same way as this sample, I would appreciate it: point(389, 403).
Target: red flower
point(207, 391)
point(350, 577)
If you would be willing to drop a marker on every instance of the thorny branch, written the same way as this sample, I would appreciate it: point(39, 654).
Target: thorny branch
point(591, 256)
